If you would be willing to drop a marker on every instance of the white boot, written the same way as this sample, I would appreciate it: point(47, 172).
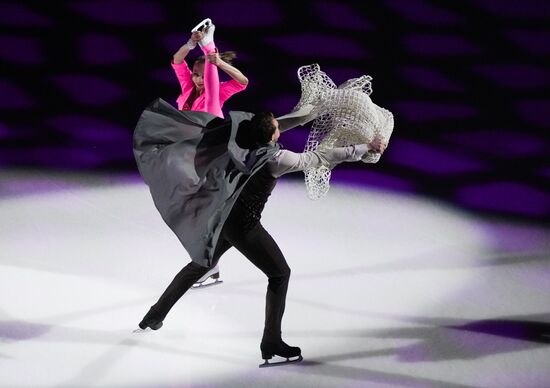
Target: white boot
point(202, 25)
point(208, 34)
point(210, 278)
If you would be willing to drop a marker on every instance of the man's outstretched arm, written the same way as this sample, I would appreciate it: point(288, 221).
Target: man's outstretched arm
point(286, 161)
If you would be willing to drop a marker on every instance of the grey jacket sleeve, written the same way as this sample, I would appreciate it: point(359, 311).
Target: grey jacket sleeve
point(371, 157)
point(296, 118)
point(285, 161)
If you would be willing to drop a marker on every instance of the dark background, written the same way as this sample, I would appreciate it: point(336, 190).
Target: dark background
point(467, 82)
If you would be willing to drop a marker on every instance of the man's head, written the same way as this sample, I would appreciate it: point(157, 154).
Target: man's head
point(265, 127)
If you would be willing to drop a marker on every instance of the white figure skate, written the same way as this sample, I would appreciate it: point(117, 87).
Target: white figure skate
point(203, 25)
point(208, 28)
point(211, 278)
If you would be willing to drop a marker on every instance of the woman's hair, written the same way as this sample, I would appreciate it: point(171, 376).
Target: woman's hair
point(262, 128)
point(226, 56)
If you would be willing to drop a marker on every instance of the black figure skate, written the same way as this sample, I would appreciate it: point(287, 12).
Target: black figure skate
point(270, 349)
point(211, 278)
point(149, 321)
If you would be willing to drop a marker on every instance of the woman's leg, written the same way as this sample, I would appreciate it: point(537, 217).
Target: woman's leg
point(211, 77)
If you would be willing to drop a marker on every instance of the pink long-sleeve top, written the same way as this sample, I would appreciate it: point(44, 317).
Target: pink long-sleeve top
point(227, 89)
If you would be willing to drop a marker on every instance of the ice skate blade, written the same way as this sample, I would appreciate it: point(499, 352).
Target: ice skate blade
point(140, 330)
point(204, 284)
point(147, 328)
point(268, 364)
point(205, 23)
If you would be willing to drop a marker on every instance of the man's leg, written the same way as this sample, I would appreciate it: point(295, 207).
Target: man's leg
point(260, 248)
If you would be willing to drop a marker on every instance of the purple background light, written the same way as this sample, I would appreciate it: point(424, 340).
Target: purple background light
point(505, 143)
point(13, 97)
point(112, 49)
point(242, 13)
point(470, 103)
point(440, 44)
point(506, 196)
point(422, 12)
point(545, 171)
point(164, 75)
point(424, 111)
point(371, 178)
point(20, 50)
point(319, 46)
point(433, 160)
point(16, 14)
point(528, 9)
point(516, 75)
point(535, 111)
point(430, 78)
point(4, 131)
point(341, 15)
point(88, 129)
point(121, 12)
point(533, 41)
point(89, 89)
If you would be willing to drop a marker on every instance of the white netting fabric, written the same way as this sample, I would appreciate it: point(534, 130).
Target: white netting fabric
point(345, 114)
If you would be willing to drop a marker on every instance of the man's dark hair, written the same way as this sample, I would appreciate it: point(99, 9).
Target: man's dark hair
point(262, 128)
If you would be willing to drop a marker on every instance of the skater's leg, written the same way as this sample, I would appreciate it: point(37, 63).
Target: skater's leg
point(260, 248)
point(211, 77)
point(179, 286)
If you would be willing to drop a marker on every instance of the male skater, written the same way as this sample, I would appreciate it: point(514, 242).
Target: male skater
point(210, 180)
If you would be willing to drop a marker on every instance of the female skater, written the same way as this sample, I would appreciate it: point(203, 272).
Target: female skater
point(201, 89)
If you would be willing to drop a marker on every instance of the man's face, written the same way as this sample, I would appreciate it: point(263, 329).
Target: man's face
point(277, 132)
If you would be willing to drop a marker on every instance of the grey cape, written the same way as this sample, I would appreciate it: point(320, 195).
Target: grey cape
point(195, 169)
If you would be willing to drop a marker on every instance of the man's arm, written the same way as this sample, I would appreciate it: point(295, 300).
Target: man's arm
point(287, 161)
point(299, 117)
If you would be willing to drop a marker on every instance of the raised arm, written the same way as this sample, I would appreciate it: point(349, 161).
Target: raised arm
point(180, 55)
point(296, 118)
point(230, 70)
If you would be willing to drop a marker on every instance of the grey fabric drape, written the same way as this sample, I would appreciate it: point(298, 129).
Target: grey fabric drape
point(195, 168)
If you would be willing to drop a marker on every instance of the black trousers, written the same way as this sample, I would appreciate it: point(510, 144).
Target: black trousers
point(257, 246)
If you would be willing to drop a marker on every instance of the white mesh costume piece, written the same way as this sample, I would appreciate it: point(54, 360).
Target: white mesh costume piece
point(345, 115)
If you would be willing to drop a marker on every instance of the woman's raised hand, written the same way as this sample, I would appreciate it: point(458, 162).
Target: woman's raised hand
point(214, 58)
point(197, 36)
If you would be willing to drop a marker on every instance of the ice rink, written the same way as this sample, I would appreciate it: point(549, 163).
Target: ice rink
point(387, 290)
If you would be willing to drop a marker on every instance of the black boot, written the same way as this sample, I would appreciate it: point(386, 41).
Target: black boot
point(150, 320)
point(278, 348)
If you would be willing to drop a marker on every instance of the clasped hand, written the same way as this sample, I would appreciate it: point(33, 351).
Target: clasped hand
point(197, 36)
point(214, 58)
point(377, 146)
